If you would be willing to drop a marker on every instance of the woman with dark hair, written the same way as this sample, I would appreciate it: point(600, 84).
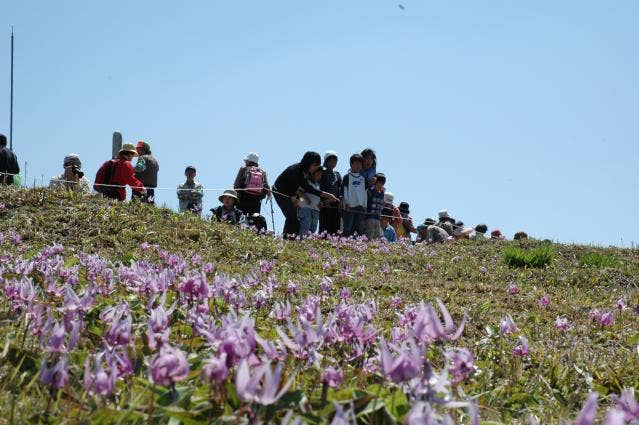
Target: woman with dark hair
point(290, 183)
point(369, 167)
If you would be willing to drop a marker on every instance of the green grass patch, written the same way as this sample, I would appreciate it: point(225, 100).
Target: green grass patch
point(597, 259)
point(539, 257)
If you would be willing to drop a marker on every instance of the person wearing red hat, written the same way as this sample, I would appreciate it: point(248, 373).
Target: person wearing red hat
point(146, 170)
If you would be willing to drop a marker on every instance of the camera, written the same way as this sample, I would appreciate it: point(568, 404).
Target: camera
point(77, 172)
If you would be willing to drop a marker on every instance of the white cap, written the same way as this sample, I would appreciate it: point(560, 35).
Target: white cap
point(443, 214)
point(389, 197)
point(328, 154)
point(252, 157)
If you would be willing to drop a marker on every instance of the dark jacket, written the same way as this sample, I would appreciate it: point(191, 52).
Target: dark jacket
point(146, 170)
point(8, 164)
point(292, 179)
point(233, 216)
point(332, 183)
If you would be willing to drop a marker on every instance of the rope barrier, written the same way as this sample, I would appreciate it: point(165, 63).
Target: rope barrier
point(271, 191)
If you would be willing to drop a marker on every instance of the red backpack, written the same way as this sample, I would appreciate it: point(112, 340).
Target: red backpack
point(254, 180)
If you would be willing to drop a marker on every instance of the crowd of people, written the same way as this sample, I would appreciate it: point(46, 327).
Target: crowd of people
point(312, 195)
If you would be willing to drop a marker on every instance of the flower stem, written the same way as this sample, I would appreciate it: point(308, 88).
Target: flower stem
point(151, 405)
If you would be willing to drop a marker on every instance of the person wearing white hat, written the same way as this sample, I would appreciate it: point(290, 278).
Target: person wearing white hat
point(228, 211)
point(72, 178)
point(330, 213)
point(397, 221)
point(252, 185)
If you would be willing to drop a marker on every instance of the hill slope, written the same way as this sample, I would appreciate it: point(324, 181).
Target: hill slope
point(364, 291)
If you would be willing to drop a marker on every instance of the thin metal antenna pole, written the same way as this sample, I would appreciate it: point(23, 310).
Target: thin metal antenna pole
point(11, 101)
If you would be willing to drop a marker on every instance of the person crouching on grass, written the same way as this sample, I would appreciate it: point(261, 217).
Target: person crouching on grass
point(388, 231)
point(228, 211)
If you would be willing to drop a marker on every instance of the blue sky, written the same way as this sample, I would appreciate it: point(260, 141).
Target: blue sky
point(522, 116)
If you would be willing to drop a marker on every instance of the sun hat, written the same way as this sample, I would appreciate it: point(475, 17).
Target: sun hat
point(443, 214)
point(230, 193)
point(329, 154)
point(429, 222)
point(404, 207)
point(387, 213)
point(389, 197)
point(72, 159)
point(496, 234)
point(128, 148)
point(252, 157)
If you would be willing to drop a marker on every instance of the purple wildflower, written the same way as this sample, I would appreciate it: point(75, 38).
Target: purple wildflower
point(404, 367)
point(261, 385)
point(589, 410)
point(507, 325)
point(332, 377)
point(215, 369)
point(544, 301)
point(622, 304)
point(606, 319)
point(614, 417)
point(96, 379)
point(521, 350)
point(512, 289)
point(326, 285)
point(56, 376)
point(344, 293)
point(55, 342)
point(428, 327)
point(281, 311)
point(168, 366)
point(461, 364)
point(291, 288)
point(397, 301)
point(562, 324)
point(628, 404)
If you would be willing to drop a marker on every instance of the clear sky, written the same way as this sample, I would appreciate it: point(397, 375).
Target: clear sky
point(522, 115)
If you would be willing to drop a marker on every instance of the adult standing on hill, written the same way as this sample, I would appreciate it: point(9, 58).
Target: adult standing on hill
point(146, 170)
point(8, 162)
point(287, 185)
point(251, 185)
point(115, 174)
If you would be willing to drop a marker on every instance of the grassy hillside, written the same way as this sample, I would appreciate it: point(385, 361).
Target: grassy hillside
point(371, 289)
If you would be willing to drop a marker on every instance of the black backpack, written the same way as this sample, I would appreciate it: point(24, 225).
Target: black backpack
point(103, 177)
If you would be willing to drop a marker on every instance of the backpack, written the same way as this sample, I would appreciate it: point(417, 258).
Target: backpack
point(104, 176)
point(254, 183)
